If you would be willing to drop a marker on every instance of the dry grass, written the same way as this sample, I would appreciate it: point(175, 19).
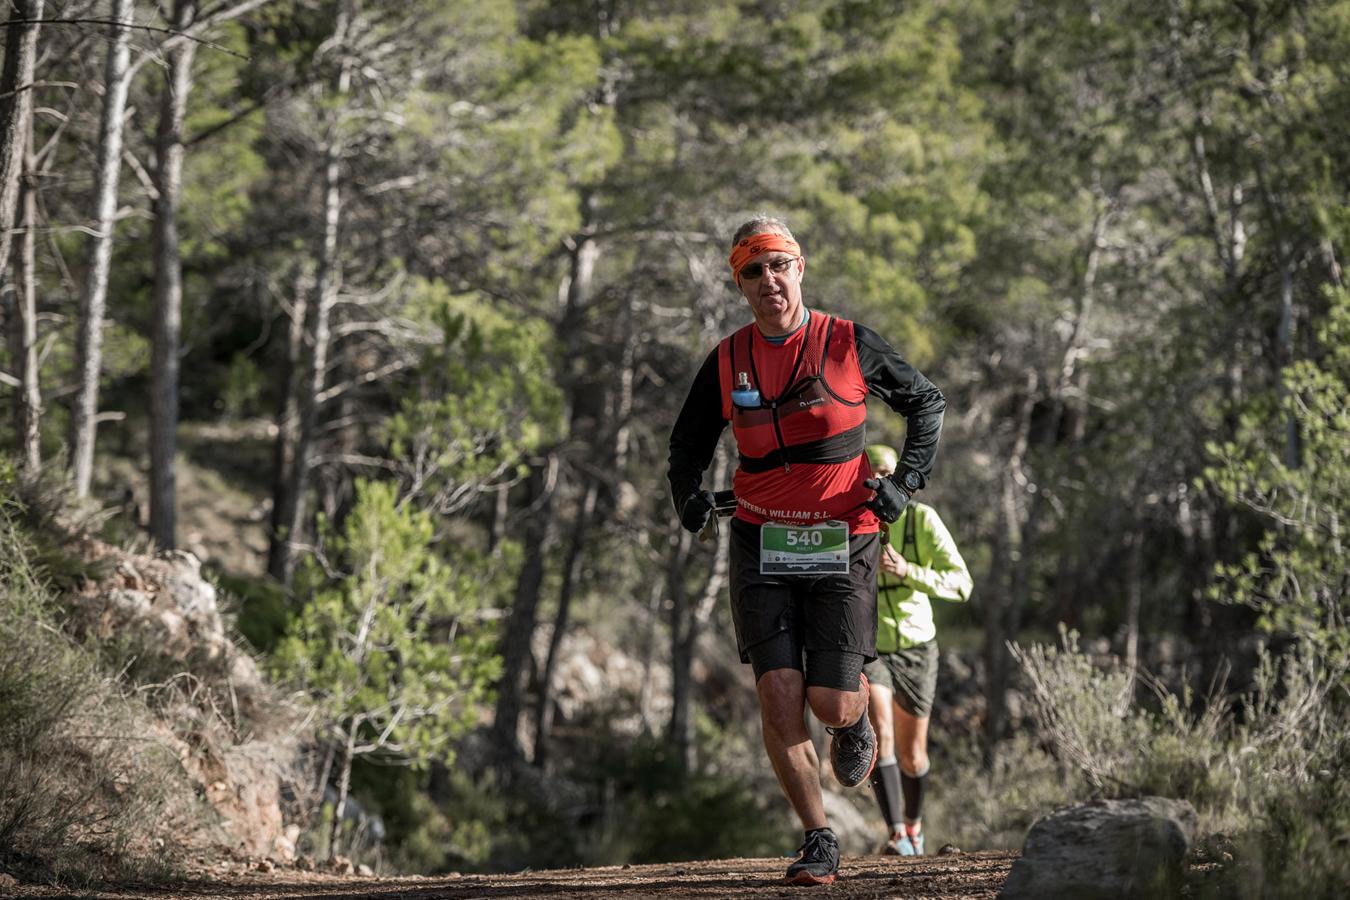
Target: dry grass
point(1266, 768)
point(85, 792)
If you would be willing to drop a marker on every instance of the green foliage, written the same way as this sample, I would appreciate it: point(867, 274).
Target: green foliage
point(1296, 577)
point(220, 176)
point(443, 820)
point(666, 811)
point(485, 398)
point(972, 805)
point(241, 394)
point(262, 614)
point(387, 647)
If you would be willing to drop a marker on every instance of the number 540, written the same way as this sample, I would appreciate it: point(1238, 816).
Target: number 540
point(805, 539)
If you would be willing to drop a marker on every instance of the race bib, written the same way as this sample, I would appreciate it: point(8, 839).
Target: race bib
point(820, 549)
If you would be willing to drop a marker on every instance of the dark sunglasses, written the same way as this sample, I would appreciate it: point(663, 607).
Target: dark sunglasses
point(776, 266)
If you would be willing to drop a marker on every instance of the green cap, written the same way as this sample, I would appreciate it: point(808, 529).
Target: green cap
point(882, 457)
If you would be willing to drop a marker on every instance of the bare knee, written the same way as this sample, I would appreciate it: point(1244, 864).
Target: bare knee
point(879, 711)
point(834, 707)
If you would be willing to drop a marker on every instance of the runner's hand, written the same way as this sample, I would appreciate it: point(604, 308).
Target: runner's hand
point(696, 510)
point(893, 563)
point(889, 500)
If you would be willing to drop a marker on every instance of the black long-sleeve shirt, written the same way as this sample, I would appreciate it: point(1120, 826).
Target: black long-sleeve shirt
point(895, 382)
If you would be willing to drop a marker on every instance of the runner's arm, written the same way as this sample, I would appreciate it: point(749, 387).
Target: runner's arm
point(693, 440)
point(945, 576)
point(904, 389)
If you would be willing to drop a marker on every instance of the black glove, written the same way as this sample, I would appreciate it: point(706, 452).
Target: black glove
point(696, 510)
point(890, 498)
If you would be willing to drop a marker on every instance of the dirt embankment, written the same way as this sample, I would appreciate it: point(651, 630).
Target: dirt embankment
point(957, 876)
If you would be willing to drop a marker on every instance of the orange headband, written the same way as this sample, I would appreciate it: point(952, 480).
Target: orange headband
point(755, 244)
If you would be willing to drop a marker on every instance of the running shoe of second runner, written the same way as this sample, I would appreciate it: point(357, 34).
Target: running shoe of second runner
point(818, 862)
point(903, 844)
point(910, 844)
point(853, 749)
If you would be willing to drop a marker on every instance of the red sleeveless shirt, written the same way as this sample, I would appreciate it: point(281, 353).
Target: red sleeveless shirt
point(801, 449)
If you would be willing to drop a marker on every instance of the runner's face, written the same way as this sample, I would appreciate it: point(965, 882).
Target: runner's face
point(775, 297)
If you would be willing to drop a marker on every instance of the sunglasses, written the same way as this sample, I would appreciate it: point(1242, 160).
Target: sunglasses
point(776, 266)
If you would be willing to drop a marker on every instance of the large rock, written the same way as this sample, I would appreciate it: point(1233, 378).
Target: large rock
point(233, 737)
point(1109, 848)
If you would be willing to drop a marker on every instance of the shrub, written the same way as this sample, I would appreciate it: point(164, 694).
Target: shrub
point(1267, 765)
point(86, 792)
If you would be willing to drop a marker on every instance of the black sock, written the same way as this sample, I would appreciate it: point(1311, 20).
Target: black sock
point(886, 788)
point(912, 786)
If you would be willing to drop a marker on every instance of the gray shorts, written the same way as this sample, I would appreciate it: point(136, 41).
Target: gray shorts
point(911, 673)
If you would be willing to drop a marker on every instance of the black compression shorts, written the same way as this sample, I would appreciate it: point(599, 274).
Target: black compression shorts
point(814, 613)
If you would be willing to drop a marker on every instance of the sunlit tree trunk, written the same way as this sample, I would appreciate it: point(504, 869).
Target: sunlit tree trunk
point(16, 112)
point(15, 138)
point(93, 300)
point(23, 336)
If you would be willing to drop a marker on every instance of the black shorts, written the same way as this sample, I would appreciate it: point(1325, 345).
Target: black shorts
point(822, 612)
point(912, 674)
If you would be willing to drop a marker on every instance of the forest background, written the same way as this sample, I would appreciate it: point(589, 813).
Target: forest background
point(385, 311)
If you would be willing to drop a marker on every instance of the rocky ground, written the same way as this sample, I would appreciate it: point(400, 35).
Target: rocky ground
point(951, 876)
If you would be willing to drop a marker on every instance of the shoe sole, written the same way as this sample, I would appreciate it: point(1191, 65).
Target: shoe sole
point(806, 879)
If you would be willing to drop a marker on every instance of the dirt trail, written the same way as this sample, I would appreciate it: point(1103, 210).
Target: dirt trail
point(960, 875)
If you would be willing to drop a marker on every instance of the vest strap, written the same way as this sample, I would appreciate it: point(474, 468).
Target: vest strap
point(838, 448)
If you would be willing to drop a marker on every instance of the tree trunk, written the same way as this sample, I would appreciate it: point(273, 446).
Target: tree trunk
point(23, 330)
point(540, 534)
point(1008, 566)
point(89, 328)
point(686, 624)
point(16, 112)
point(684, 642)
point(168, 314)
point(288, 421)
point(501, 506)
point(291, 514)
point(343, 789)
point(581, 529)
point(1134, 591)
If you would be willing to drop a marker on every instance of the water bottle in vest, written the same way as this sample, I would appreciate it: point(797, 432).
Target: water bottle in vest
point(743, 395)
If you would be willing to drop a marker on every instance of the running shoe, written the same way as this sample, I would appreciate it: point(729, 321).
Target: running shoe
point(911, 844)
point(853, 750)
point(818, 862)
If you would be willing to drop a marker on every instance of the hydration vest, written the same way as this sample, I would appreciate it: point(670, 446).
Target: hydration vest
point(801, 447)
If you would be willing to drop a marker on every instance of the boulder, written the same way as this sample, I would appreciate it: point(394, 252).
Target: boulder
point(1108, 848)
point(232, 736)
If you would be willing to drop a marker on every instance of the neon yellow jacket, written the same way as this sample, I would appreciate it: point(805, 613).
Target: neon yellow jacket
point(936, 570)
